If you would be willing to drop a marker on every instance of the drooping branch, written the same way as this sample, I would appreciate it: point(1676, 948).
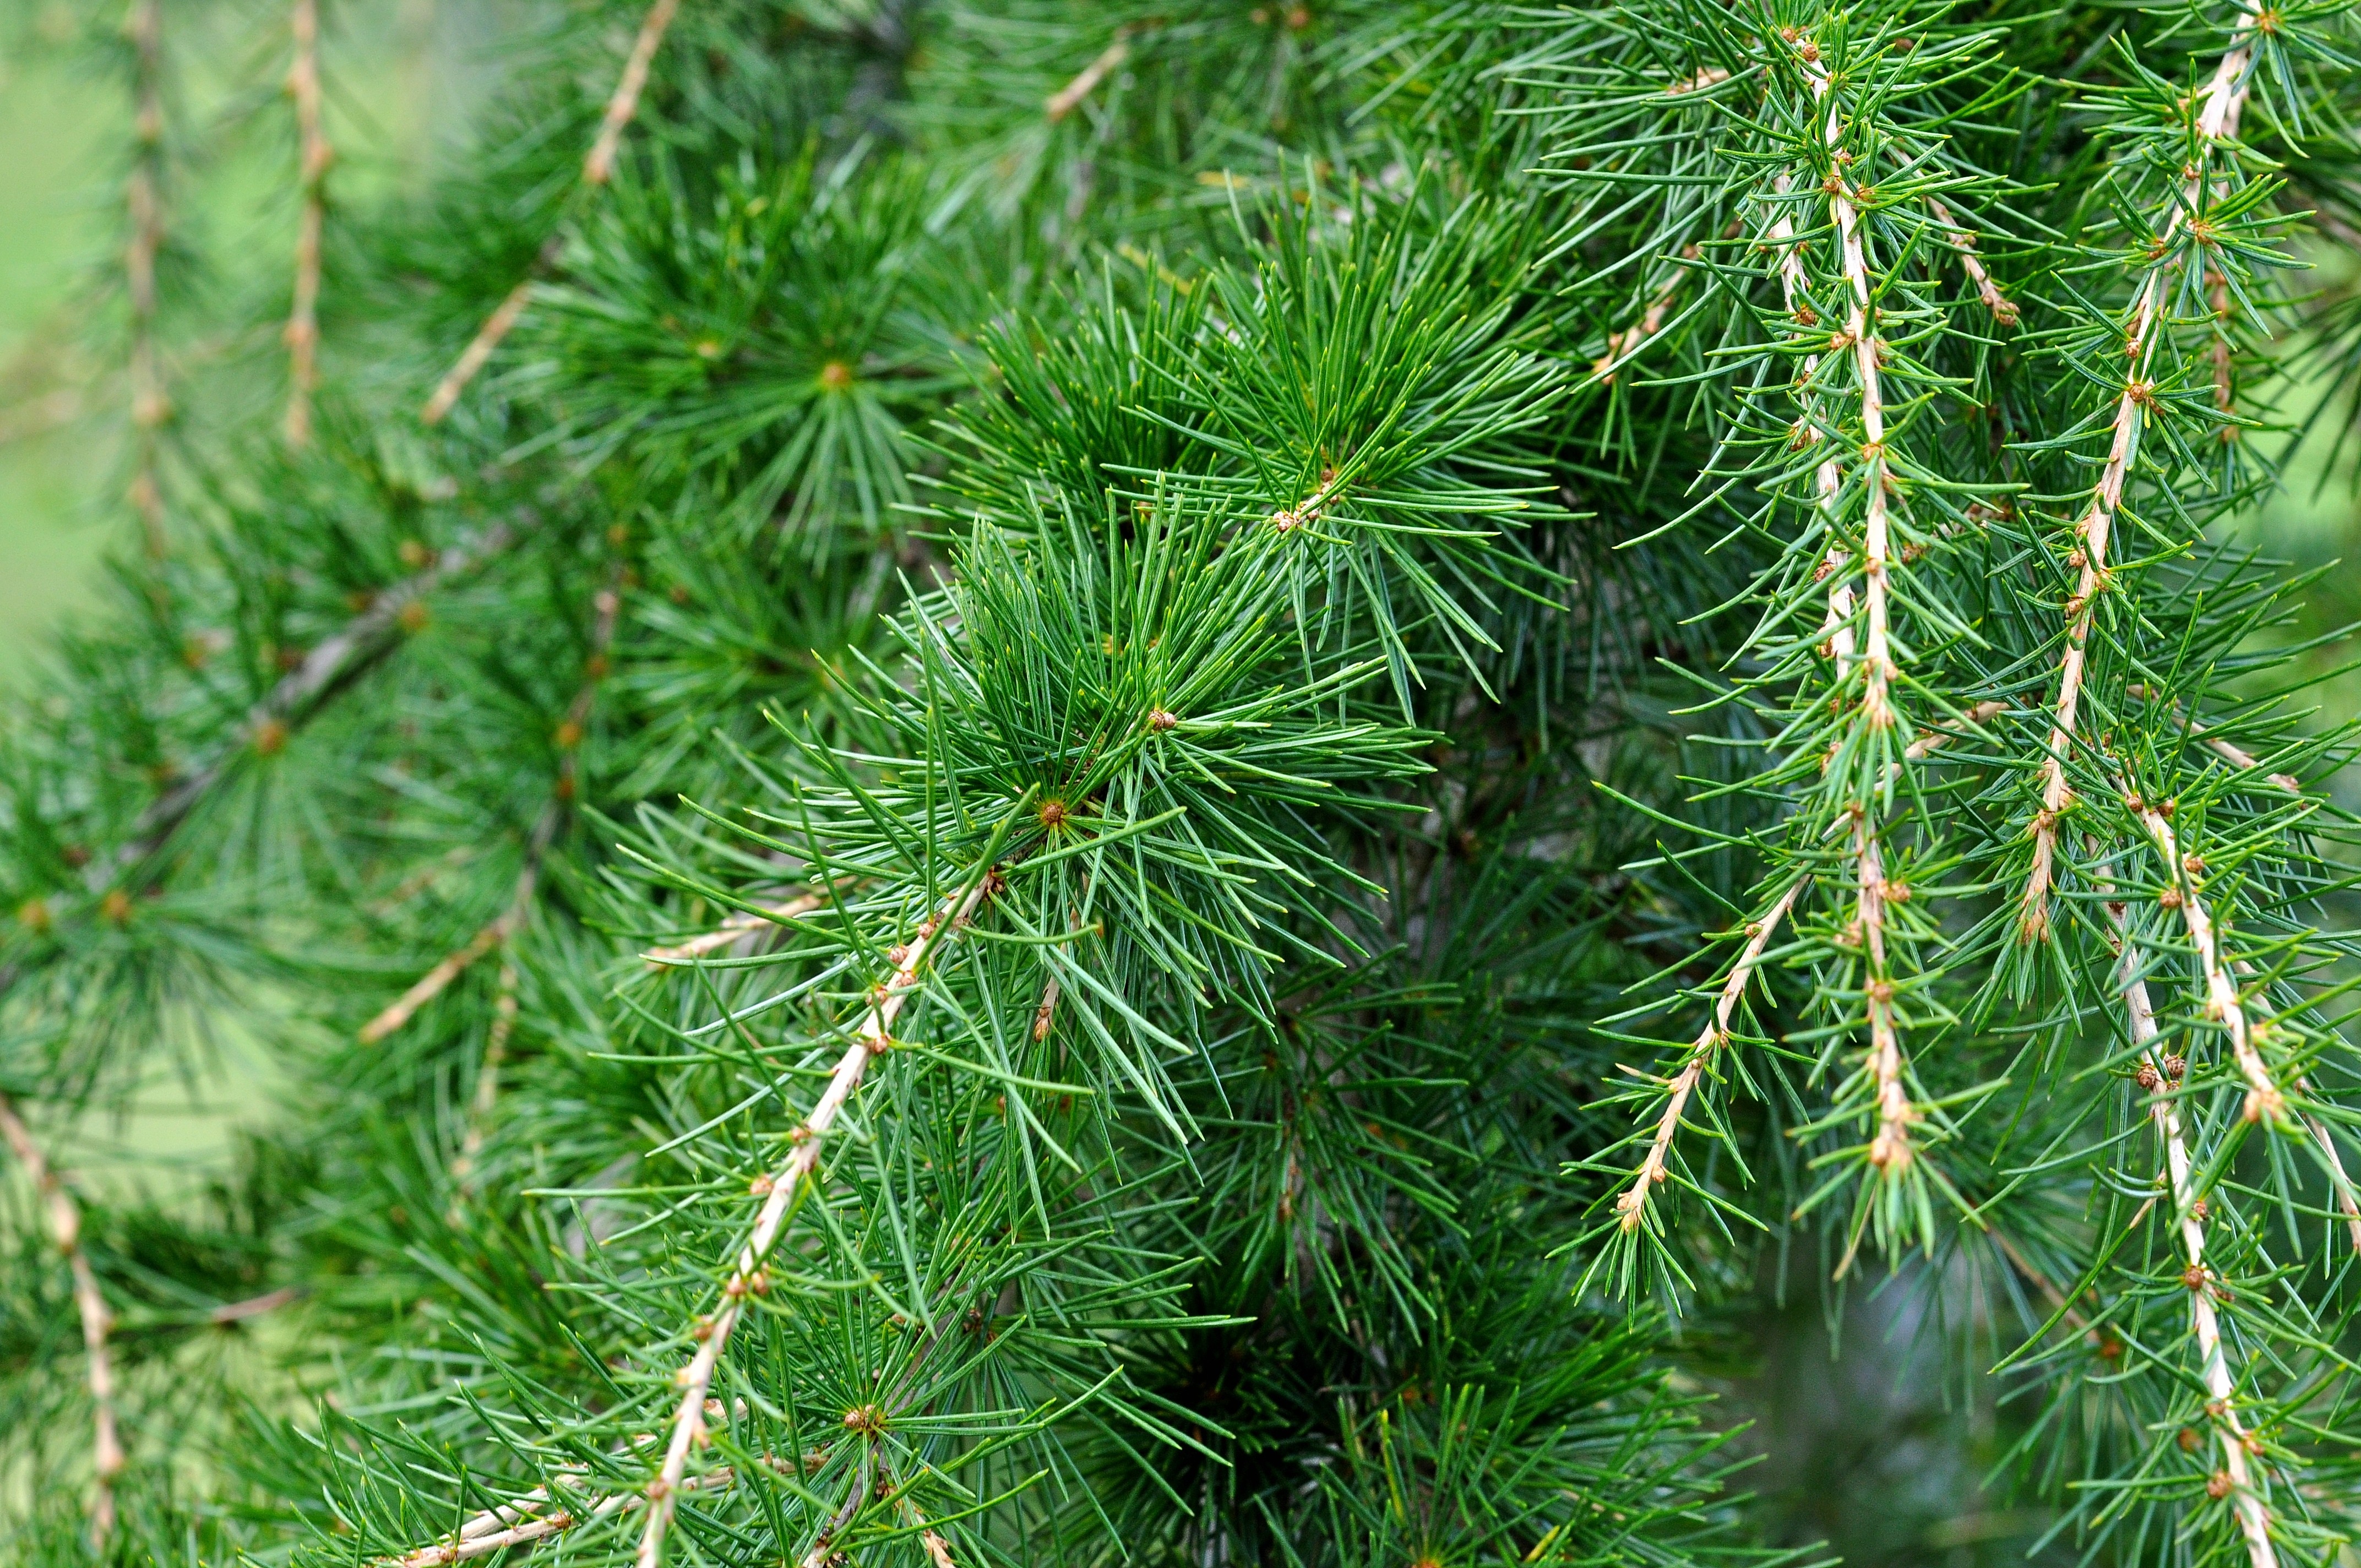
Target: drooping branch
point(328, 668)
point(521, 1523)
point(2254, 1521)
point(1890, 1150)
point(597, 169)
point(2265, 1101)
point(1632, 1203)
point(782, 1189)
point(1067, 99)
point(1795, 287)
point(624, 105)
point(2004, 310)
point(315, 154)
point(143, 198)
point(65, 1230)
point(2217, 121)
point(734, 928)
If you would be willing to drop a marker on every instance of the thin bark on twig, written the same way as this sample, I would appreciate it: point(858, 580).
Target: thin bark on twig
point(780, 1190)
point(2004, 309)
point(304, 315)
point(1066, 99)
point(328, 668)
point(2216, 120)
point(2265, 1101)
point(1890, 1150)
point(144, 204)
point(734, 929)
point(65, 1230)
point(597, 169)
point(2254, 1522)
point(1632, 1204)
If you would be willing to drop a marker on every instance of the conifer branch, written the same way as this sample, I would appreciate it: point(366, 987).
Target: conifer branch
point(144, 204)
point(2229, 751)
point(1795, 287)
point(488, 338)
point(339, 660)
point(1621, 345)
point(2217, 121)
point(783, 1188)
point(2004, 310)
point(1890, 1150)
point(431, 985)
point(1066, 99)
point(487, 1080)
point(624, 105)
point(597, 169)
point(2265, 1101)
point(65, 1230)
point(304, 315)
point(2254, 1521)
point(734, 929)
point(518, 1523)
point(1632, 1203)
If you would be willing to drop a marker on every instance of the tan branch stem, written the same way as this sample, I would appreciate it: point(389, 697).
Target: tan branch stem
point(1068, 98)
point(303, 316)
point(2217, 120)
point(144, 205)
point(624, 104)
point(327, 668)
point(2254, 1522)
point(781, 1189)
point(1633, 1202)
point(2004, 310)
point(65, 1230)
point(2265, 1102)
point(597, 169)
point(734, 928)
point(1835, 631)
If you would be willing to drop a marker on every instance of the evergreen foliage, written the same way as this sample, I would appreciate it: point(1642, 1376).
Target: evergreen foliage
point(1041, 780)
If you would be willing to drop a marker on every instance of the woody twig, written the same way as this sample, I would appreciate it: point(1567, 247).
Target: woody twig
point(597, 169)
point(144, 208)
point(303, 316)
point(65, 1230)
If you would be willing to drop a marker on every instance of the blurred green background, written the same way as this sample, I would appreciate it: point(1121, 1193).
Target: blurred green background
point(1877, 1456)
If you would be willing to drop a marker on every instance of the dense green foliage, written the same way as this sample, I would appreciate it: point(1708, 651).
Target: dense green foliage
point(1140, 782)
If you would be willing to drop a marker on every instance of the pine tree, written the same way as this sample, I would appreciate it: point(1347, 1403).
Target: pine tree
point(1024, 781)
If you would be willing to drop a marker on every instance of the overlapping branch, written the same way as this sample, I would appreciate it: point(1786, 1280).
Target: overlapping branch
point(315, 154)
point(2236, 1477)
point(1632, 1204)
point(143, 198)
point(2217, 121)
point(2264, 1101)
point(331, 666)
point(597, 169)
point(65, 1230)
point(782, 1189)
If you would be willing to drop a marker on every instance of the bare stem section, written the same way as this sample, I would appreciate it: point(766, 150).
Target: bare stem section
point(2004, 310)
point(2254, 1520)
point(735, 928)
point(780, 1191)
point(1632, 1204)
point(2265, 1102)
point(303, 316)
point(143, 200)
point(1890, 1150)
point(2217, 120)
point(1067, 99)
point(624, 105)
point(597, 169)
point(65, 1230)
